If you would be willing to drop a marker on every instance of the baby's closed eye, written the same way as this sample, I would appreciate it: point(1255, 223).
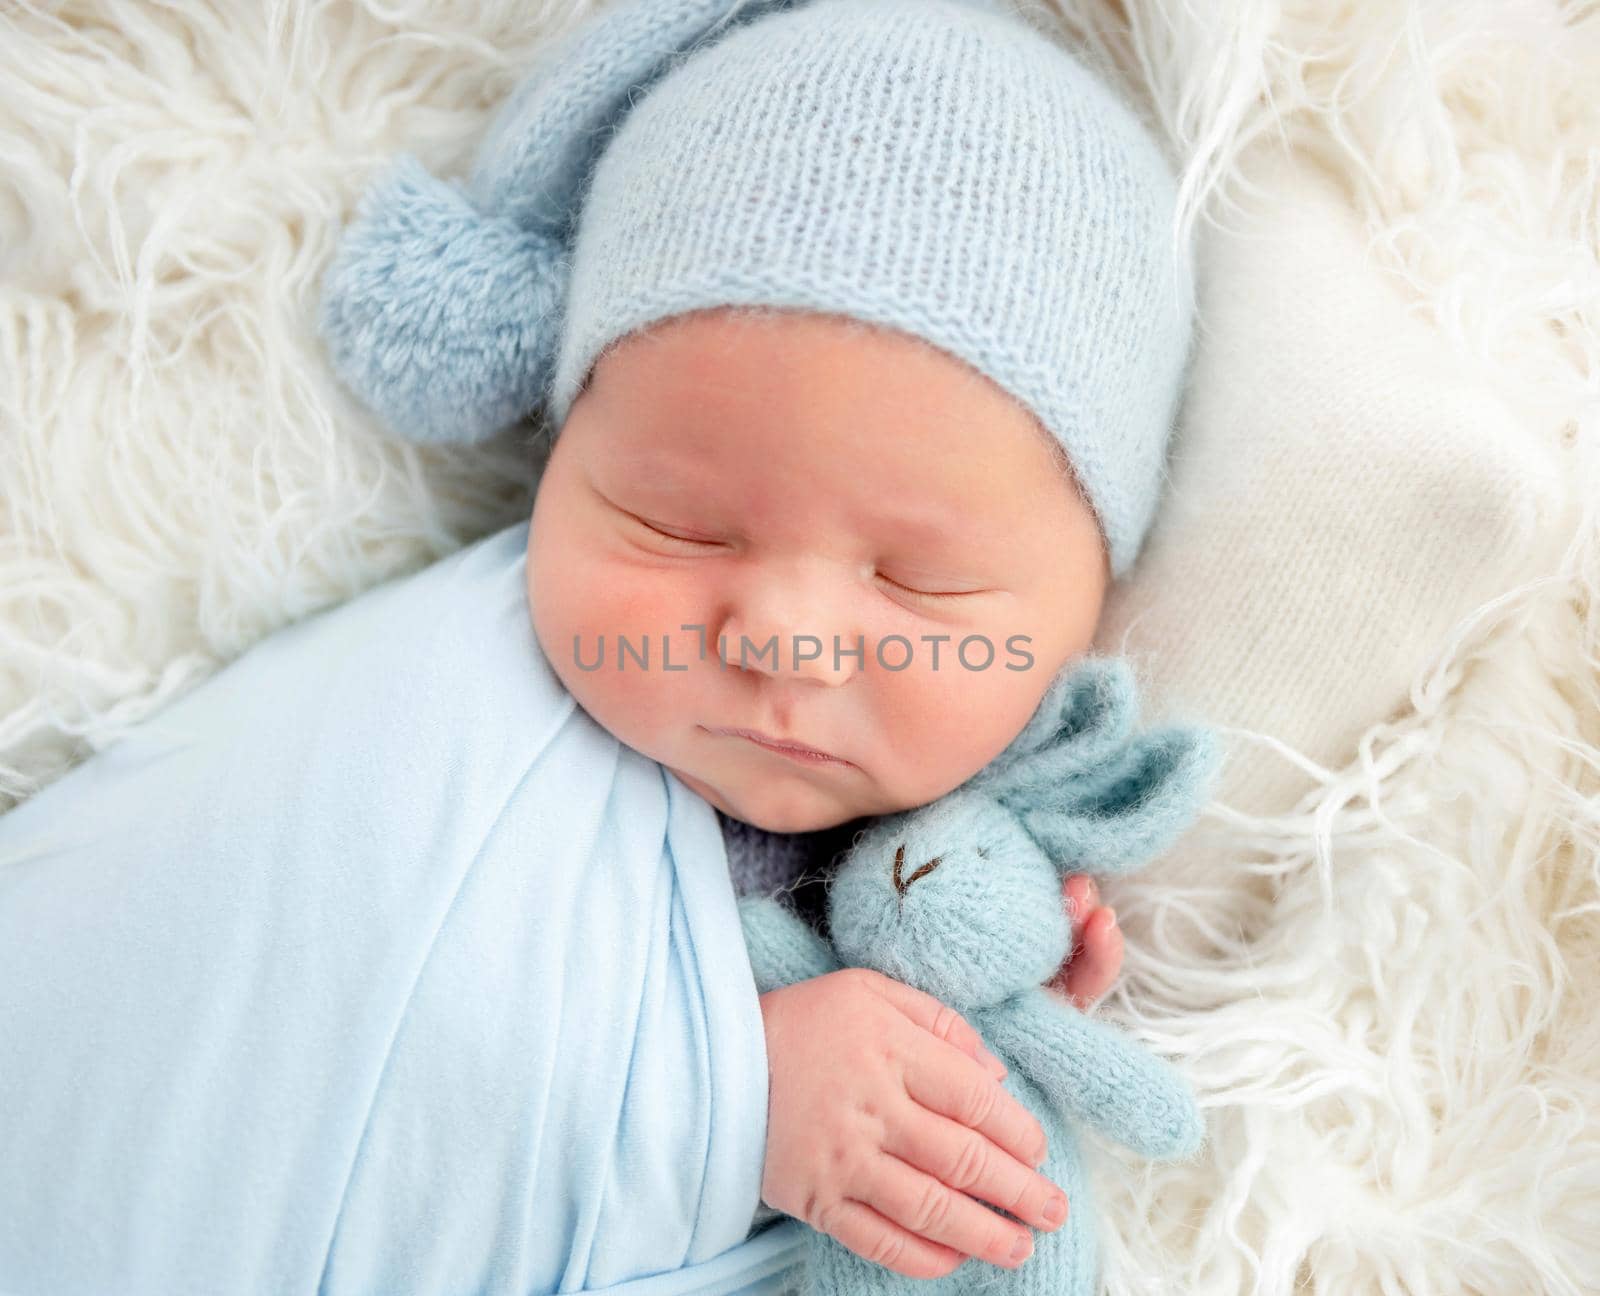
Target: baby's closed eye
point(667, 534)
point(931, 594)
point(695, 542)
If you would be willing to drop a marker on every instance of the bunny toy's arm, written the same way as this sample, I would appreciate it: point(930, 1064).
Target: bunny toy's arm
point(783, 948)
point(1097, 1075)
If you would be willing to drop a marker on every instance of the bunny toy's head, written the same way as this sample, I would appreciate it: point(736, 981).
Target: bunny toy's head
point(961, 898)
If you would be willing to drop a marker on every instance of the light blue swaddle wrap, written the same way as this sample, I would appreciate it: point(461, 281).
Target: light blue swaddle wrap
point(375, 964)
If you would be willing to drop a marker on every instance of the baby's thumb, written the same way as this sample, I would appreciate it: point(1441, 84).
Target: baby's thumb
point(939, 1019)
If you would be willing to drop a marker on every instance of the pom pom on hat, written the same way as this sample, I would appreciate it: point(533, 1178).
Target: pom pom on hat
point(443, 320)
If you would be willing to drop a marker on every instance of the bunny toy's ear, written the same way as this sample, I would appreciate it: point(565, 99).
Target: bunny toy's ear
point(1127, 811)
point(1084, 718)
point(442, 306)
point(1094, 795)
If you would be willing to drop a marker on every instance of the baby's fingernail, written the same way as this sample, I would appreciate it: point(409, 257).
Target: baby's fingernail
point(1111, 917)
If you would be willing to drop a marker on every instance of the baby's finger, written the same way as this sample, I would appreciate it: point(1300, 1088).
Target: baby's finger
point(962, 1159)
point(1083, 898)
point(1095, 966)
point(937, 1213)
point(935, 1017)
point(952, 1084)
point(857, 1226)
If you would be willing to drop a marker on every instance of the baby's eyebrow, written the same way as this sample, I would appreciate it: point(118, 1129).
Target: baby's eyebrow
point(922, 530)
point(955, 533)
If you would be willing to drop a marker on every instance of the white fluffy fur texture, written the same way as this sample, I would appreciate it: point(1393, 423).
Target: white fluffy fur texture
point(1383, 993)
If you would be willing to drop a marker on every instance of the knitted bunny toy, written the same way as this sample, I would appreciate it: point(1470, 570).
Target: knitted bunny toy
point(961, 898)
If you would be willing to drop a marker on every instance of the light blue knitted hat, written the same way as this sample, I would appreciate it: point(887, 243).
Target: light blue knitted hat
point(939, 167)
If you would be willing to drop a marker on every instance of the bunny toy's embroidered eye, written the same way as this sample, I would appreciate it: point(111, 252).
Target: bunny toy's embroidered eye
point(899, 862)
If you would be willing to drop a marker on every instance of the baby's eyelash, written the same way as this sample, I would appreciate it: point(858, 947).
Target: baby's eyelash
point(667, 535)
point(926, 593)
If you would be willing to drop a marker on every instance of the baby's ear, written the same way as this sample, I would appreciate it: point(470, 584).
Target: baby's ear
point(1132, 806)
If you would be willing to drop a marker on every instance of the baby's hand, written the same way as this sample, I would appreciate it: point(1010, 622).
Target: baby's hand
point(886, 1111)
point(1095, 958)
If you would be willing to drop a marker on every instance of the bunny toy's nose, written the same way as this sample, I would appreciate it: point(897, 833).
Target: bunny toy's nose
point(904, 885)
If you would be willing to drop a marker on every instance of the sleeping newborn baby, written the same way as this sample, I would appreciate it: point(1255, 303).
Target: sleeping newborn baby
point(359, 967)
point(764, 499)
point(831, 612)
point(711, 500)
point(871, 335)
point(713, 407)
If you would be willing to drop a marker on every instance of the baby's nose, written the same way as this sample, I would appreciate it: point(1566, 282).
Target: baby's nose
point(791, 633)
point(789, 656)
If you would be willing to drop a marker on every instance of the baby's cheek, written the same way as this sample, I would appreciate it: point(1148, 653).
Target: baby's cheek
point(946, 725)
point(607, 622)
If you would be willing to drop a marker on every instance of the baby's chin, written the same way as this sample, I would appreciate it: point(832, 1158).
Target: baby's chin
point(773, 810)
point(794, 823)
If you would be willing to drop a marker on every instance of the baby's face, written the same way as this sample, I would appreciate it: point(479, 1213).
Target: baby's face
point(729, 481)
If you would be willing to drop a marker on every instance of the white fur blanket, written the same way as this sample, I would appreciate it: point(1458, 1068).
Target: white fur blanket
point(1380, 972)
